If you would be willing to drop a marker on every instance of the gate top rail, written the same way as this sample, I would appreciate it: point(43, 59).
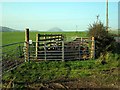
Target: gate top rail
point(47, 35)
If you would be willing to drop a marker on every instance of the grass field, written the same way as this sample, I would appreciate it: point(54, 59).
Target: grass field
point(12, 37)
point(90, 73)
point(55, 74)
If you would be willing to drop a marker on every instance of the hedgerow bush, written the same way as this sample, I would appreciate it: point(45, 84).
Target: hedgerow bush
point(104, 41)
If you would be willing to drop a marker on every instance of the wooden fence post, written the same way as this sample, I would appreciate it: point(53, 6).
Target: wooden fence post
point(93, 48)
point(63, 50)
point(37, 41)
point(27, 44)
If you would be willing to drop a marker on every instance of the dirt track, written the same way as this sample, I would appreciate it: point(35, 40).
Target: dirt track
point(80, 84)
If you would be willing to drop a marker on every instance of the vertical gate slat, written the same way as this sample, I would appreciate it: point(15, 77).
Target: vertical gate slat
point(37, 41)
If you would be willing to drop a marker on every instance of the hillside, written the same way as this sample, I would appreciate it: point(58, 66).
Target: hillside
point(55, 29)
point(6, 29)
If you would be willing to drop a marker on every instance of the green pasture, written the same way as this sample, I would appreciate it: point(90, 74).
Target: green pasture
point(13, 37)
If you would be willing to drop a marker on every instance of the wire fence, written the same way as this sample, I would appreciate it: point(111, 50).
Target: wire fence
point(15, 54)
point(12, 56)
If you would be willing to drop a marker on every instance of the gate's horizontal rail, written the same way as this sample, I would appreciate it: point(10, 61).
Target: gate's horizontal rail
point(48, 35)
point(44, 59)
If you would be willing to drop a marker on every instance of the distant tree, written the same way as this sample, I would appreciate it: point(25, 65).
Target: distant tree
point(103, 40)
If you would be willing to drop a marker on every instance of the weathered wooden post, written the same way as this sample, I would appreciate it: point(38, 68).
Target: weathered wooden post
point(27, 44)
point(37, 41)
point(93, 48)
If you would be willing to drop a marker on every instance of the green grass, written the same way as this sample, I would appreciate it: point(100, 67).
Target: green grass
point(12, 37)
point(48, 70)
point(38, 72)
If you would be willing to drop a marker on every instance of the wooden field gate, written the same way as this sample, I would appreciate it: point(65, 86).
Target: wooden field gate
point(54, 47)
point(49, 47)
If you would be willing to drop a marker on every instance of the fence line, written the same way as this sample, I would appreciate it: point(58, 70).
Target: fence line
point(46, 47)
point(72, 51)
point(12, 56)
point(11, 44)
